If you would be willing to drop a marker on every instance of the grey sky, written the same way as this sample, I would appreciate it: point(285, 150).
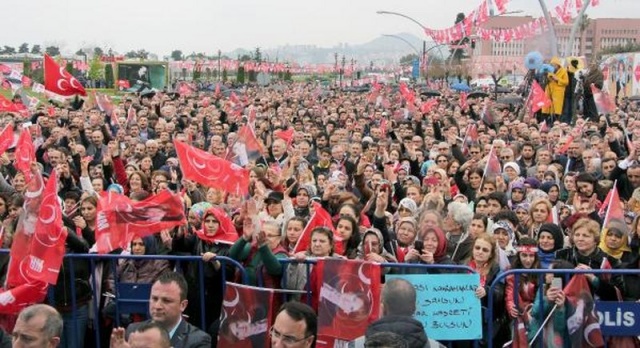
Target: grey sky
point(199, 25)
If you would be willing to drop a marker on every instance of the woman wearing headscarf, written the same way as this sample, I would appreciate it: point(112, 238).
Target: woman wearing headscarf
point(550, 240)
point(372, 247)
point(196, 214)
point(433, 251)
point(214, 239)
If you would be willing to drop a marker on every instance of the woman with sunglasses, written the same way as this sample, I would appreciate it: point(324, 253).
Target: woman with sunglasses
point(484, 260)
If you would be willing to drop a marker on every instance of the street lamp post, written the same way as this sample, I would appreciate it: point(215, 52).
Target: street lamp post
point(343, 62)
point(404, 16)
point(219, 66)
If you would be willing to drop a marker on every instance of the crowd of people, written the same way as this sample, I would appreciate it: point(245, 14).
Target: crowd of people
point(402, 183)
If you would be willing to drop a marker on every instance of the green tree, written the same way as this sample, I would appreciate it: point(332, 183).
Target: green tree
point(143, 54)
point(52, 51)
point(196, 74)
point(8, 50)
point(240, 75)
point(36, 49)
point(225, 75)
point(108, 75)
point(131, 54)
point(287, 75)
point(408, 59)
point(96, 68)
point(244, 58)
point(176, 55)
point(80, 52)
point(97, 51)
point(69, 68)
point(257, 56)
point(26, 68)
point(24, 48)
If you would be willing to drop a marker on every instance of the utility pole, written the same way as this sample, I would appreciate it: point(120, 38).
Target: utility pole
point(219, 65)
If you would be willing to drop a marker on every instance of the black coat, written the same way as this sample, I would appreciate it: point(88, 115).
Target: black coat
point(409, 328)
point(605, 289)
point(185, 336)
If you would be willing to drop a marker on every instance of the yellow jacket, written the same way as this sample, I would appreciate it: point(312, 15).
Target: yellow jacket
point(556, 85)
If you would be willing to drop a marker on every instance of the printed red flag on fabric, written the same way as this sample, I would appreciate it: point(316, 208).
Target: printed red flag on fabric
point(14, 300)
point(48, 242)
point(520, 339)
point(471, 137)
point(246, 147)
point(582, 319)
point(59, 81)
point(320, 218)
point(348, 297)
point(493, 167)
point(7, 105)
point(6, 138)
point(25, 154)
point(124, 84)
point(246, 316)
point(120, 220)
point(463, 100)
point(604, 102)
point(212, 171)
point(132, 116)
point(538, 98)
point(428, 105)
point(234, 98)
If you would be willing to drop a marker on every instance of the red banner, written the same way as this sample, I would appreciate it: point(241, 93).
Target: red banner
point(582, 319)
point(212, 171)
point(320, 218)
point(247, 314)
point(349, 297)
point(25, 154)
point(120, 219)
point(59, 81)
point(539, 99)
point(246, 147)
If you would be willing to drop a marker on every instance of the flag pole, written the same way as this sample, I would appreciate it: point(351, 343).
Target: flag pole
point(606, 216)
point(555, 306)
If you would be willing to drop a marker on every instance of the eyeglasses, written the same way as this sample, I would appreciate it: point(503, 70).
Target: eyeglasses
point(286, 340)
point(486, 250)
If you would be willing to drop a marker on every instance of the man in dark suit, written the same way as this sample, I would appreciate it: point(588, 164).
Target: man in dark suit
point(167, 302)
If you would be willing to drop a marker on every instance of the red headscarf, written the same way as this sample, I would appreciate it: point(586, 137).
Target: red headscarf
point(441, 250)
point(226, 232)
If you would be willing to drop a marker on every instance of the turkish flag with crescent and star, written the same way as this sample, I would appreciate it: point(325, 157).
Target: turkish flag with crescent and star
point(582, 318)
point(246, 317)
point(60, 81)
point(8, 106)
point(25, 154)
point(120, 220)
point(212, 171)
point(6, 138)
point(48, 242)
point(348, 297)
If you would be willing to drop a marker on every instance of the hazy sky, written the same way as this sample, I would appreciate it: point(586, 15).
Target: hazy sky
point(200, 25)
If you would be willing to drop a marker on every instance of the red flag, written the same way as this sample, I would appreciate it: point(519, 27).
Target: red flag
point(48, 242)
point(132, 117)
point(124, 84)
point(320, 218)
point(246, 147)
point(184, 89)
point(251, 119)
point(582, 321)
point(212, 171)
point(348, 297)
point(286, 135)
point(428, 105)
point(383, 128)
point(59, 81)
point(6, 138)
point(25, 154)
point(493, 167)
point(120, 219)
point(604, 102)
point(463, 100)
point(247, 314)
point(471, 137)
point(234, 98)
point(206, 101)
point(539, 99)
point(14, 300)
point(7, 105)
point(520, 339)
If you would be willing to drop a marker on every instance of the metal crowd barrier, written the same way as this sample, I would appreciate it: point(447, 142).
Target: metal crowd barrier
point(621, 319)
point(93, 258)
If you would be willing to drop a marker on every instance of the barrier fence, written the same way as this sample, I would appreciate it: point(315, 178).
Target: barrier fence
point(617, 319)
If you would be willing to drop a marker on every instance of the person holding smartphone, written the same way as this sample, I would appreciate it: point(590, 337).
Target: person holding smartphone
point(429, 249)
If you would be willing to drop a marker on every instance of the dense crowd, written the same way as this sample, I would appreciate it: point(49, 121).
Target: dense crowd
point(402, 183)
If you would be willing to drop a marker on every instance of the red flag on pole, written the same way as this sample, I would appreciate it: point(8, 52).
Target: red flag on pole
point(604, 102)
point(212, 171)
point(7, 105)
point(59, 81)
point(471, 137)
point(348, 297)
point(120, 219)
point(6, 138)
point(463, 100)
point(247, 314)
point(493, 167)
point(286, 135)
point(48, 242)
point(132, 116)
point(320, 218)
point(539, 99)
point(246, 147)
point(25, 154)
